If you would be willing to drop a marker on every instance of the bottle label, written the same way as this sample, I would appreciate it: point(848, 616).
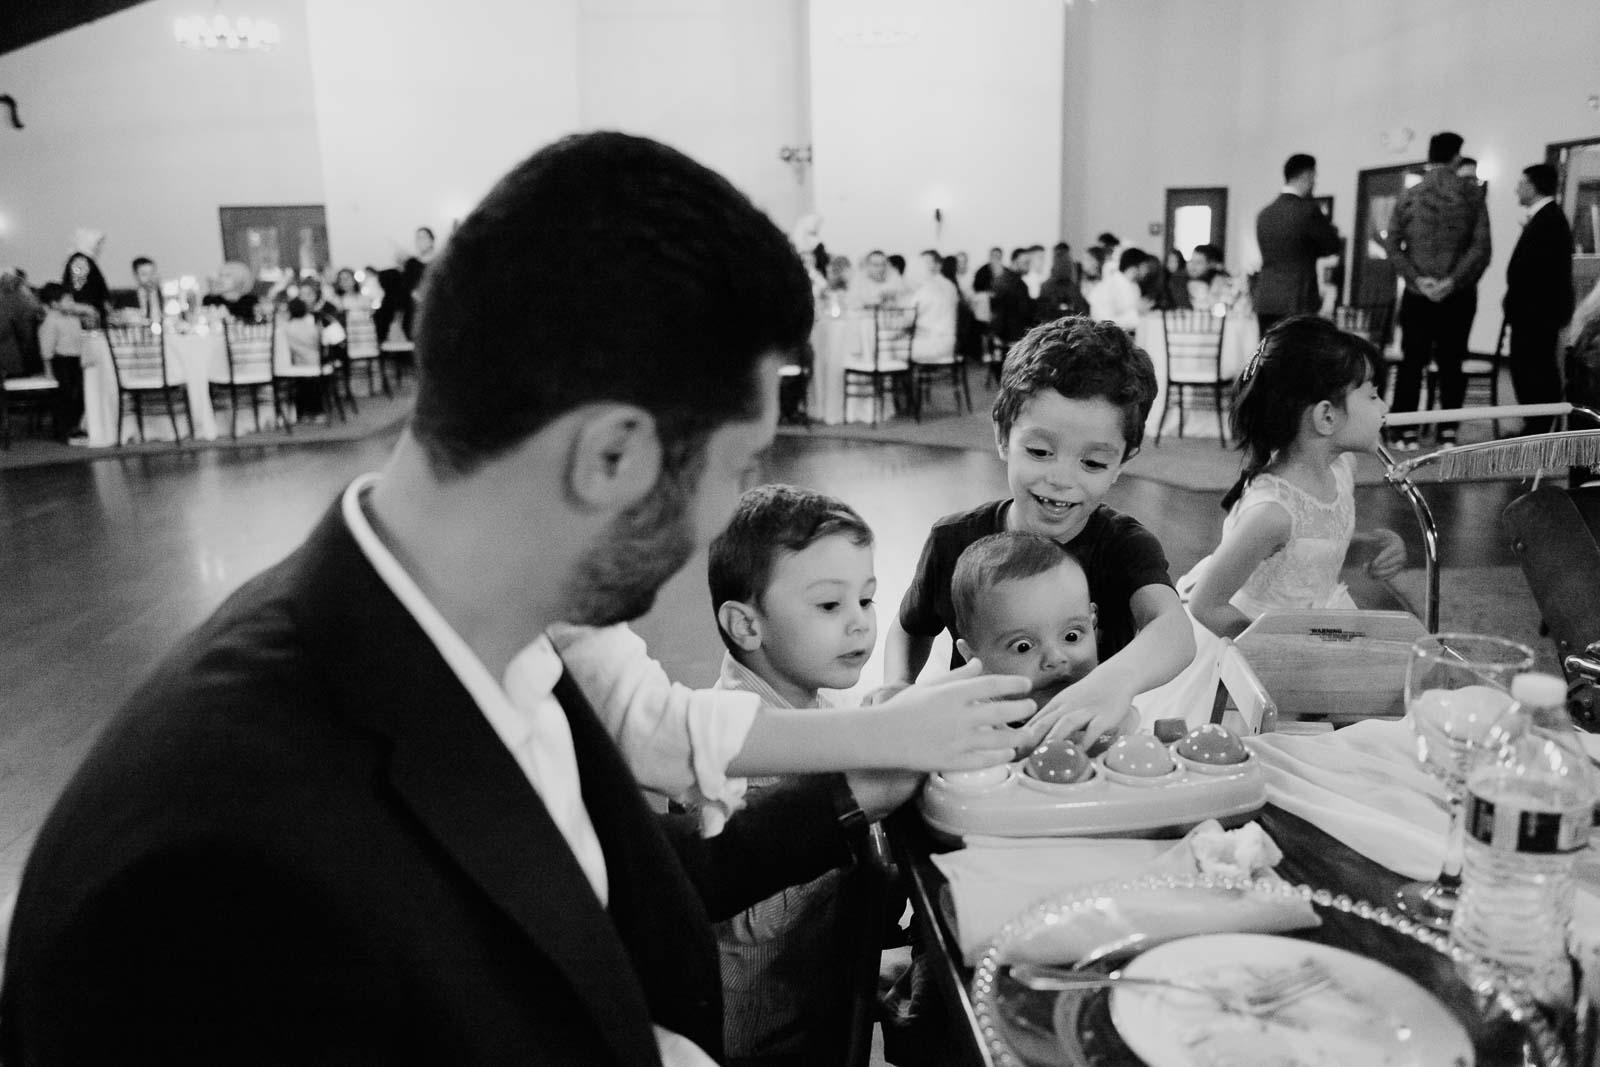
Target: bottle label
point(1516, 829)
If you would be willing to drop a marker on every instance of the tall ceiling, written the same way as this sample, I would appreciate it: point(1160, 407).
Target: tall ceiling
point(23, 22)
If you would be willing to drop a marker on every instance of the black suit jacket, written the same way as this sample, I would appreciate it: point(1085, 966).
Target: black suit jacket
point(1292, 232)
point(1539, 276)
point(301, 842)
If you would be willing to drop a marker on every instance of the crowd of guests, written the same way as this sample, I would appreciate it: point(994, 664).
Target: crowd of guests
point(42, 329)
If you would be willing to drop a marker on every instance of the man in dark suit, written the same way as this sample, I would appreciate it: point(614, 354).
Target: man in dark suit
point(362, 815)
point(1011, 307)
point(1539, 299)
point(1292, 232)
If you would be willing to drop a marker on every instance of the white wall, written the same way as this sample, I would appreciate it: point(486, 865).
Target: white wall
point(723, 80)
point(422, 106)
point(129, 133)
point(961, 111)
point(1165, 93)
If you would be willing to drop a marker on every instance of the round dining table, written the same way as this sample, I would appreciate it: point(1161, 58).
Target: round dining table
point(195, 359)
point(1240, 336)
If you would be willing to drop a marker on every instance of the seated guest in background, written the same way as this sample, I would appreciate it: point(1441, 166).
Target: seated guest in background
point(147, 289)
point(1011, 308)
point(1209, 281)
point(1175, 282)
point(897, 276)
point(873, 286)
point(1061, 294)
point(235, 292)
point(1467, 169)
point(983, 278)
point(87, 287)
point(787, 961)
point(962, 281)
point(969, 331)
point(61, 345)
point(1037, 270)
point(1117, 297)
point(348, 293)
point(839, 274)
point(19, 326)
point(356, 815)
point(937, 301)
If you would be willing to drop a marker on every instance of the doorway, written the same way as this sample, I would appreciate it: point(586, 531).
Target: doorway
point(1196, 217)
point(1372, 276)
point(1577, 166)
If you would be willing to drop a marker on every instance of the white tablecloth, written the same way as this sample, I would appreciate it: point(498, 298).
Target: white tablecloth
point(835, 341)
point(191, 360)
point(1240, 335)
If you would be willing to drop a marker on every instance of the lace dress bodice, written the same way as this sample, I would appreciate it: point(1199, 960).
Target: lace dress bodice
point(1304, 573)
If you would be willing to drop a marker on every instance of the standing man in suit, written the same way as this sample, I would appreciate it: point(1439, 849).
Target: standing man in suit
point(1539, 299)
point(1438, 241)
point(362, 815)
point(1292, 232)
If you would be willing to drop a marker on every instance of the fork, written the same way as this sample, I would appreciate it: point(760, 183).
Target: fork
point(1262, 998)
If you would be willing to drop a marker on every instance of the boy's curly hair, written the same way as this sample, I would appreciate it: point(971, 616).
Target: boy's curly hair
point(1082, 360)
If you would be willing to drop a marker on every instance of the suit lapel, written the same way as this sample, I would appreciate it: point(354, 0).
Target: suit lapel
point(450, 769)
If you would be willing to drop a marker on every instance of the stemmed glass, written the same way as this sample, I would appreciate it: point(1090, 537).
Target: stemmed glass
point(1457, 685)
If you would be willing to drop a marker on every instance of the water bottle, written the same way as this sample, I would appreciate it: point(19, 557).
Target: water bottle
point(1530, 802)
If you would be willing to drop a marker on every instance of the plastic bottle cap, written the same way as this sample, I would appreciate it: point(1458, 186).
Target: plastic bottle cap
point(1539, 690)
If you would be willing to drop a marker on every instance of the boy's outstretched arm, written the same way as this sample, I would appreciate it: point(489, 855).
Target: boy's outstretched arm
point(1161, 649)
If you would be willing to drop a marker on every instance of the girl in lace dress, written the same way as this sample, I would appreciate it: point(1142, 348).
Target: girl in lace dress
point(1306, 405)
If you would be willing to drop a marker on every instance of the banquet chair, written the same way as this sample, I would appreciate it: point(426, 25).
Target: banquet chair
point(1553, 533)
point(794, 388)
point(994, 355)
point(1481, 370)
point(1334, 665)
point(249, 347)
point(928, 368)
point(361, 347)
point(30, 394)
point(1194, 362)
point(886, 374)
point(328, 376)
point(139, 362)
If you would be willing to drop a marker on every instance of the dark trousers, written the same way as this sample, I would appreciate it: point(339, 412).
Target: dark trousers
point(1535, 374)
point(1434, 333)
point(68, 372)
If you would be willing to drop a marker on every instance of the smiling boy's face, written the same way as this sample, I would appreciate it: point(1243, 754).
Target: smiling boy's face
point(1041, 627)
point(1062, 458)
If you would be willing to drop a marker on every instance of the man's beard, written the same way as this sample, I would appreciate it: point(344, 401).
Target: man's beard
point(618, 578)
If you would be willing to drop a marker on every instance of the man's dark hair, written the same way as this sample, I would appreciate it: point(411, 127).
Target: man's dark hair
point(770, 519)
point(1082, 360)
point(898, 262)
point(141, 261)
point(1298, 164)
point(1543, 178)
point(1060, 248)
point(874, 252)
point(1035, 248)
point(1108, 240)
point(519, 315)
point(934, 252)
point(1017, 253)
point(1001, 557)
point(427, 230)
point(297, 308)
point(1443, 147)
point(50, 292)
point(995, 249)
point(1466, 161)
point(1131, 257)
point(1211, 252)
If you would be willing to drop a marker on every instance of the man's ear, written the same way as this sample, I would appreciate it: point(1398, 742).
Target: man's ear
point(741, 623)
point(615, 458)
point(965, 649)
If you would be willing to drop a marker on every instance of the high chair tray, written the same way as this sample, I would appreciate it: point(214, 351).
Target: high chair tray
point(1005, 802)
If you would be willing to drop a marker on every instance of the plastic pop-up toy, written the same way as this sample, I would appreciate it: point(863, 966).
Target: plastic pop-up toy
point(1139, 787)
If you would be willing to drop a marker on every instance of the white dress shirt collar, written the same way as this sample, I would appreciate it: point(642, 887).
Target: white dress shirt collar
point(1536, 207)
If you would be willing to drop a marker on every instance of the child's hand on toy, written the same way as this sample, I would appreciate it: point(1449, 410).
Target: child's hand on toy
point(1389, 555)
point(1082, 710)
point(956, 723)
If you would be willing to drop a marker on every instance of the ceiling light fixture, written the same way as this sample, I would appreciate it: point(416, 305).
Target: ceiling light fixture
point(223, 34)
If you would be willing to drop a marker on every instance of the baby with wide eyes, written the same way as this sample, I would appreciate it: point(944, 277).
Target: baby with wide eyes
point(1022, 607)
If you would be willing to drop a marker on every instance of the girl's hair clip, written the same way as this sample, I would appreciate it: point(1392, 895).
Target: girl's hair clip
point(1254, 365)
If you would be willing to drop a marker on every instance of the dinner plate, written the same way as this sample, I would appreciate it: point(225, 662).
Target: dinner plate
point(1369, 1014)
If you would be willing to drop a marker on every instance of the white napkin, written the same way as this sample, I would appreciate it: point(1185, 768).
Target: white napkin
point(1362, 786)
point(994, 880)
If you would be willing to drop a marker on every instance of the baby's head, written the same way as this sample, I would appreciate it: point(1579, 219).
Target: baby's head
point(1022, 607)
point(792, 587)
point(1073, 400)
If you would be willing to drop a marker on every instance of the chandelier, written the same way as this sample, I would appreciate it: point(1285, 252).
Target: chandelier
point(221, 33)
